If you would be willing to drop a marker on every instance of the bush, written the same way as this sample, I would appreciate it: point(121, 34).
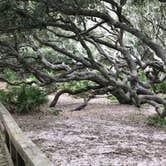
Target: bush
point(160, 87)
point(156, 120)
point(10, 75)
point(112, 98)
point(23, 99)
point(141, 76)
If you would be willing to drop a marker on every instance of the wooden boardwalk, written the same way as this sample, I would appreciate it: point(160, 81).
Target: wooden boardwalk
point(5, 159)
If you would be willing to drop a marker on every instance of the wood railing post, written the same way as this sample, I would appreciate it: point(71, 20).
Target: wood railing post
point(22, 150)
point(19, 160)
point(6, 136)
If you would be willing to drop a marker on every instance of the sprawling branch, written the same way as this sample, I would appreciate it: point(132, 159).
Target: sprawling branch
point(86, 44)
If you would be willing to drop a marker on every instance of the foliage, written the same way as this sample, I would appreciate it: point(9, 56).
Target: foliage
point(141, 75)
point(160, 87)
point(75, 85)
point(23, 99)
point(156, 120)
point(10, 75)
point(112, 98)
point(117, 45)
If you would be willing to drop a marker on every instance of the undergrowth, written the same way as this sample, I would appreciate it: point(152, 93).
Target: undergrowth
point(156, 120)
point(23, 99)
point(55, 111)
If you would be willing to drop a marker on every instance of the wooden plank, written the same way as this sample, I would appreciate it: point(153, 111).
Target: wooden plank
point(29, 152)
point(5, 159)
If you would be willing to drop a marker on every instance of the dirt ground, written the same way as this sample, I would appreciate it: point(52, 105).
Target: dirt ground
point(102, 134)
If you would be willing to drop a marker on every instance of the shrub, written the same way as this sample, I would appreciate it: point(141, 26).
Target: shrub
point(112, 98)
point(141, 75)
point(23, 99)
point(156, 120)
point(160, 87)
point(10, 75)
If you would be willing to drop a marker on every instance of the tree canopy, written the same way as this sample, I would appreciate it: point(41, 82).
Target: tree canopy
point(119, 47)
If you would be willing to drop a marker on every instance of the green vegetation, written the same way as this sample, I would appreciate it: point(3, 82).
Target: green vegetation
point(75, 85)
point(160, 87)
point(112, 99)
point(142, 76)
point(83, 48)
point(55, 111)
point(11, 75)
point(156, 120)
point(23, 99)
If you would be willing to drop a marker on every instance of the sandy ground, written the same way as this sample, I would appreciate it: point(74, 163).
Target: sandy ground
point(102, 134)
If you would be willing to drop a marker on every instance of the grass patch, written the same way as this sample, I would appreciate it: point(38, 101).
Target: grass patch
point(137, 118)
point(112, 99)
point(156, 120)
point(55, 111)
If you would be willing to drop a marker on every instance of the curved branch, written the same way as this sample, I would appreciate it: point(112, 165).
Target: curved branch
point(72, 92)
